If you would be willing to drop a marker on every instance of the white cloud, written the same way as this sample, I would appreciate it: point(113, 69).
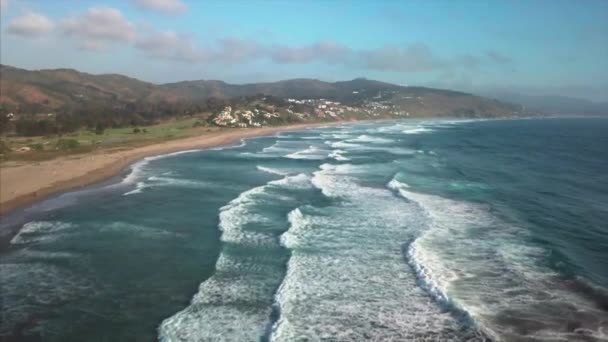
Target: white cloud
point(415, 57)
point(182, 47)
point(30, 25)
point(328, 51)
point(236, 50)
point(409, 58)
point(170, 45)
point(3, 5)
point(99, 26)
point(162, 6)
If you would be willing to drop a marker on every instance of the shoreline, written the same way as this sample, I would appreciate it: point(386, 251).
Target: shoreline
point(26, 184)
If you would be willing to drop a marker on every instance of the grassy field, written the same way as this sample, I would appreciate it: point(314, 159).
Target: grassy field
point(82, 141)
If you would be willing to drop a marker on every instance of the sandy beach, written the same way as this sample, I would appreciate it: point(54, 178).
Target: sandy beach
point(27, 183)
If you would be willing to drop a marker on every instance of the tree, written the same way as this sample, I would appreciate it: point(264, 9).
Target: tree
point(99, 128)
point(4, 122)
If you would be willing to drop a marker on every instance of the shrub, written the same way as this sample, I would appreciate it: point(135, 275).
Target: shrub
point(67, 144)
point(36, 146)
point(99, 129)
point(136, 130)
point(4, 147)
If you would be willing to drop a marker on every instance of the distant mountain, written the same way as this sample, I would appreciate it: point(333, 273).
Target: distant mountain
point(294, 88)
point(553, 104)
point(69, 90)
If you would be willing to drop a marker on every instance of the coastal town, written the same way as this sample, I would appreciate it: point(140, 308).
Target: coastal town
point(258, 114)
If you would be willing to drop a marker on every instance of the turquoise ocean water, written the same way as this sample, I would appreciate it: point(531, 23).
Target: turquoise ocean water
point(389, 231)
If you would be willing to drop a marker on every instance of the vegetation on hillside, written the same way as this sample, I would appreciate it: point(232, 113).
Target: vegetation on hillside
point(62, 101)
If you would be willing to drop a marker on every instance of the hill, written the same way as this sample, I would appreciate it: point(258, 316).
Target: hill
point(554, 104)
point(79, 99)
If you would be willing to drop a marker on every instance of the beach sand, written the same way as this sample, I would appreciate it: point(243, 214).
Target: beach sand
point(27, 183)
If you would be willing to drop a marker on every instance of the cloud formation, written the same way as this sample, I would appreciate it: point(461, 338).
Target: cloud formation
point(98, 27)
point(327, 51)
point(170, 7)
point(31, 25)
point(169, 45)
point(414, 57)
point(417, 57)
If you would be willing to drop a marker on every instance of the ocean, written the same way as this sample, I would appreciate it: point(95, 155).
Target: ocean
point(384, 231)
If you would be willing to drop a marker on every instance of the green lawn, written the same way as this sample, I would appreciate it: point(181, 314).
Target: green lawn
point(52, 146)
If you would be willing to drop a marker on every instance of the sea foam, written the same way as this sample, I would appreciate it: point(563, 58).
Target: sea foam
point(235, 303)
point(345, 279)
point(40, 231)
point(311, 153)
point(480, 265)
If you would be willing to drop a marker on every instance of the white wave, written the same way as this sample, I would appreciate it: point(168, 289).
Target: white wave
point(311, 153)
point(274, 148)
point(235, 214)
point(238, 212)
point(349, 146)
point(272, 170)
point(483, 266)
point(342, 136)
point(393, 128)
point(139, 187)
point(340, 169)
point(345, 279)
point(257, 155)
point(177, 182)
point(228, 305)
point(296, 223)
point(282, 147)
point(299, 181)
point(370, 139)
point(339, 135)
point(429, 152)
point(161, 181)
point(397, 185)
point(338, 155)
point(137, 169)
point(40, 231)
point(242, 143)
point(417, 130)
point(343, 145)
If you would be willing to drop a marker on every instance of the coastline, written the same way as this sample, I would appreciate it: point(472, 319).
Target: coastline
point(26, 184)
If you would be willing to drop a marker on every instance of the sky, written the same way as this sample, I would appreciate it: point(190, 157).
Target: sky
point(529, 47)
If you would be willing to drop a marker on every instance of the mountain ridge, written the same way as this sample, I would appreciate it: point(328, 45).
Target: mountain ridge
point(68, 90)
point(553, 104)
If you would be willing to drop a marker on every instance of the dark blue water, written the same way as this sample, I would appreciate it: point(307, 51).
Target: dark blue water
point(406, 230)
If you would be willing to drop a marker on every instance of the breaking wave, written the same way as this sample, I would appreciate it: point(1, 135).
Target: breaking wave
point(474, 261)
point(336, 286)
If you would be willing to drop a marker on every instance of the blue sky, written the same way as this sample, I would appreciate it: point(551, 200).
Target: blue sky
point(531, 47)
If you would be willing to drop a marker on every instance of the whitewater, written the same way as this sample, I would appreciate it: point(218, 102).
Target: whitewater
point(439, 230)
